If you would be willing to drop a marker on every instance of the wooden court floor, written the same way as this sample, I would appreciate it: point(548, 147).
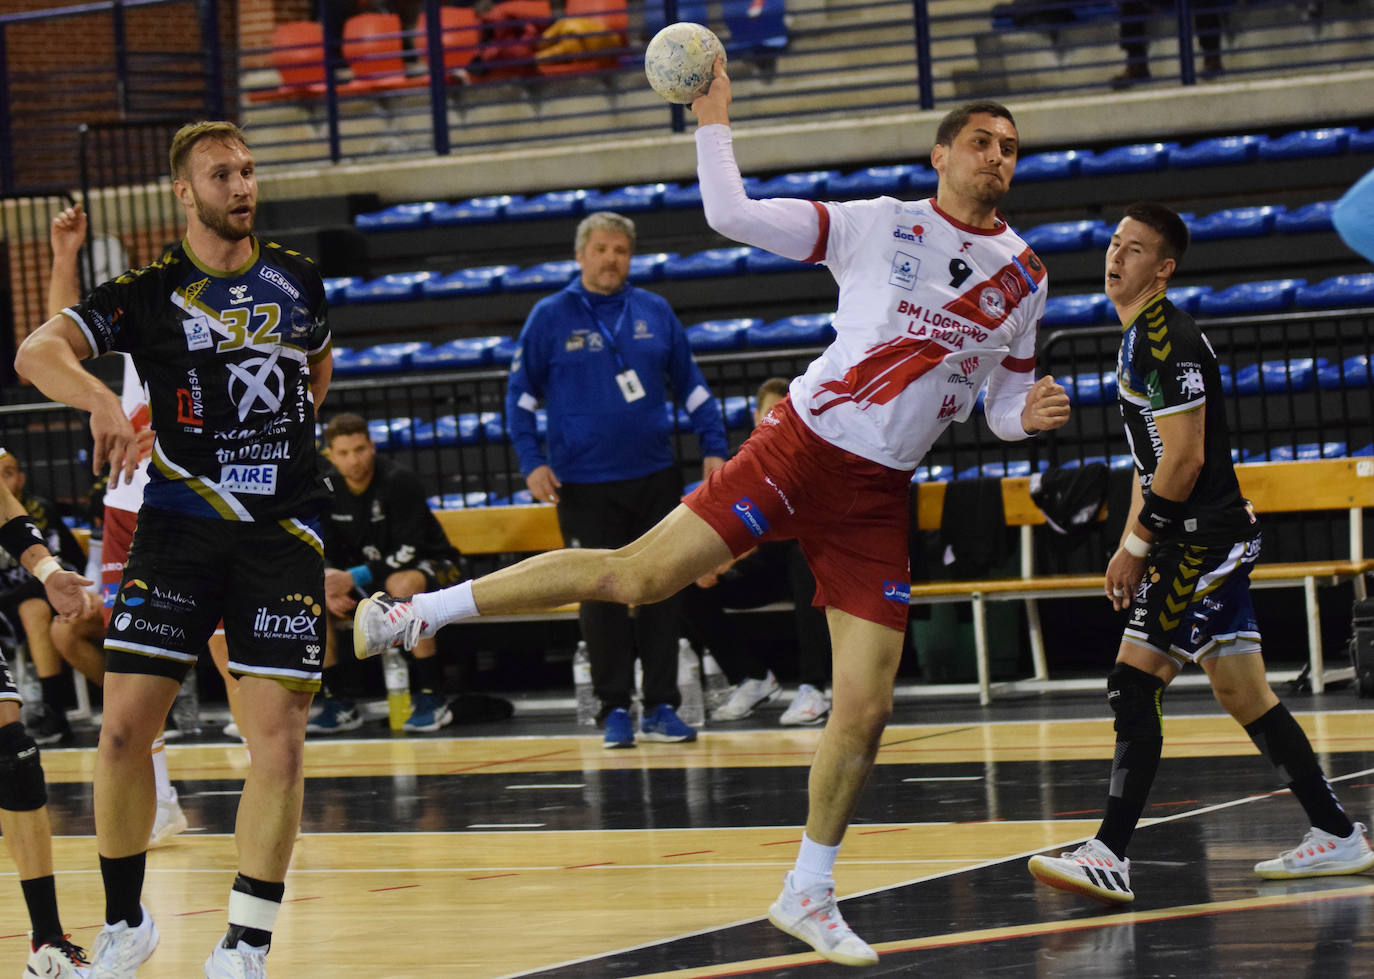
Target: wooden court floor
point(502, 854)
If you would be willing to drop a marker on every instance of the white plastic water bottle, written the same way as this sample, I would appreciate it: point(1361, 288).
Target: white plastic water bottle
point(186, 707)
point(396, 675)
point(587, 703)
point(692, 710)
point(715, 684)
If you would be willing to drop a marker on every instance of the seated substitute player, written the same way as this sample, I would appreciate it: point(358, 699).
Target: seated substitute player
point(938, 298)
point(23, 791)
point(1190, 537)
point(379, 532)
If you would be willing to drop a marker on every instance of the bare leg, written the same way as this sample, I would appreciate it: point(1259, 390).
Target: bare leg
point(273, 718)
point(1239, 684)
point(35, 614)
point(125, 799)
point(219, 652)
point(80, 643)
point(28, 834)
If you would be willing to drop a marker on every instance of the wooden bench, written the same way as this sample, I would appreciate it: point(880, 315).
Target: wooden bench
point(1273, 487)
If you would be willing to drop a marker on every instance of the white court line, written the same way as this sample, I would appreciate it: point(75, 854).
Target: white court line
point(505, 825)
point(551, 785)
point(947, 778)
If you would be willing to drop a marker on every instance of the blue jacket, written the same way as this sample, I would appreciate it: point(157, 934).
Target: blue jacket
point(571, 348)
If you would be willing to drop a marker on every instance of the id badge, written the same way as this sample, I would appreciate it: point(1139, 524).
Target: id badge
point(629, 385)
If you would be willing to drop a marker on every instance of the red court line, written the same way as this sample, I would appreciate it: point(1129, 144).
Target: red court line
point(191, 914)
point(398, 887)
point(583, 866)
point(875, 832)
point(1180, 802)
point(507, 761)
point(1077, 812)
point(779, 842)
point(688, 853)
point(296, 900)
point(493, 876)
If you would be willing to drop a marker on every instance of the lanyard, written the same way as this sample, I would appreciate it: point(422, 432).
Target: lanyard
point(610, 338)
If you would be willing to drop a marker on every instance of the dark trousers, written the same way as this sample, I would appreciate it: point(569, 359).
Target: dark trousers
point(1134, 27)
point(611, 515)
point(775, 572)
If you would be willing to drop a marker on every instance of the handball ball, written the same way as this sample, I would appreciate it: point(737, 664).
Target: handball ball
point(679, 61)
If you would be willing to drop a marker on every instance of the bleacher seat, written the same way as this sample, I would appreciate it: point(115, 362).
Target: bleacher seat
point(343, 359)
point(1307, 143)
point(1266, 377)
point(504, 351)
point(547, 276)
point(1303, 451)
point(389, 288)
point(460, 501)
point(379, 430)
point(737, 412)
point(474, 210)
point(1219, 151)
point(1138, 158)
point(460, 36)
point(1017, 467)
point(374, 49)
point(463, 352)
point(707, 264)
point(1186, 297)
point(760, 260)
point(648, 267)
point(1250, 297)
point(397, 217)
point(1082, 310)
point(1053, 165)
point(721, 334)
point(386, 358)
point(401, 430)
point(1362, 141)
point(551, 204)
point(937, 473)
point(442, 431)
point(685, 195)
point(626, 200)
point(1364, 450)
point(1353, 372)
point(336, 289)
point(1235, 222)
point(467, 282)
point(1090, 388)
point(809, 329)
point(1308, 218)
point(755, 26)
point(298, 56)
point(810, 185)
point(474, 427)
point(693, 11)
point(873, 181)
point(1337, 292)
point(1061, 236)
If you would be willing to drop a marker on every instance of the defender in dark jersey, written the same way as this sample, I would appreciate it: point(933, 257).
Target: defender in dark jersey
point(1183, 570)
point(230, 338)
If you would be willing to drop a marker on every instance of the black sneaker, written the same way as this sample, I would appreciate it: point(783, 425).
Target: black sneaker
point(46, 725)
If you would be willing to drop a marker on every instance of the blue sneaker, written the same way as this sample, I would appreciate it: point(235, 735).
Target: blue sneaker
point(663, 724)
point(333, 717)
point(620, 732)
point(429, 712)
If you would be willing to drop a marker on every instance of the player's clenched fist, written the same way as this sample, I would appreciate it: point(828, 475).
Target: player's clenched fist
point(1047, 406)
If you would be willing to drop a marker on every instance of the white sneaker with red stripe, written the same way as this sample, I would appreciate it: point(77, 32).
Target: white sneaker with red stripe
point(1092, 870)
point(814, 917)
point(1321, 855)
point(381, 622)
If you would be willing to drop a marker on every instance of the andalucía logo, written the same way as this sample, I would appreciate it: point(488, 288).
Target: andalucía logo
point(135, 592)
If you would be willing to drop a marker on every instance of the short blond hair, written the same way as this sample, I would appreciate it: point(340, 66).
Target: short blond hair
point(192, 133)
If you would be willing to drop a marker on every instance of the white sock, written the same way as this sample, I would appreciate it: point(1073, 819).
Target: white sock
point(815, 865)
point(439, 608)
point(163, 781)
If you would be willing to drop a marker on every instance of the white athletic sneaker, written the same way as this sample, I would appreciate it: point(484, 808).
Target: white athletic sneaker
point(813, 917)
point(809, 706)
point(244, 961)
point(120, 950)
point(1092, 870)
point(169, 822)
point(1321, 855)
point(57, 960)
point(746, 697)
point(381, 622)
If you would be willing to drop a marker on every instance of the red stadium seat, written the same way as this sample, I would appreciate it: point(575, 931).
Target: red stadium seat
point(373, 46)
point(298, 56)
point(461, 36)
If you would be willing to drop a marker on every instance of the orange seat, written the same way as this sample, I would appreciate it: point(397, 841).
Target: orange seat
point(372, 44)
point(461, 35)
point(610, 15)
point(298, 56)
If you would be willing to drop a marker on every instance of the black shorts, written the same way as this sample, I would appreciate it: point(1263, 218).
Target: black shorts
point(8, 689)
point(185, 573)
point(1194, 601)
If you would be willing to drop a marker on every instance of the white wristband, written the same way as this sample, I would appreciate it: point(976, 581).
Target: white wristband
point(1134, 546)
point(45, 567)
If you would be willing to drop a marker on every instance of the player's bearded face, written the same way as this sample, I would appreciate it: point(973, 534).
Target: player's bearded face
point(979, 163)
point(224, 188)
point(232, 221)
point(605, 261)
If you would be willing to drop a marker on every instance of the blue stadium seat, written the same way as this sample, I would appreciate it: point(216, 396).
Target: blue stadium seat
point(686, 195)
point(693, 11)
point(1309, 217)
point(380, 432)
point(473, 426)
point(551, 204)
point(806, 330)
point(721, 334)
point(1186, 297)
point(459, 501)
point(1236, 222)
point(1296, 374)
point(1303, 451)
point(546, 276)
point(1138, 158)
point(759, 260)
point(1250, 297)
point(1366, 450)
point(923, 181)
point(401, 430)
point(627, 200)
point(474, 210)
point(1061, 236)
point(336, 289)
point(648, 267)
point(707, 264)
point(755, 26)
point(494, 426)
point(393, 287)
point(1122, 461)
point(1216, 152)
point(1091, 388)
point(737, 412)
point(1307, 143)
point(442, 431)
point(1337, 292)
point(343, 359)
point(397, 217)
point(1362, 141)
point(874, 181)
point(811, 185)
point(504, 351)
point(1017, 467)
point(1353, 372)
point(932, 474)
point(463, 352)
point(1055, 165)
point(467, 282)
point(1102, 236)
point(385, 358)
point(1084, 310)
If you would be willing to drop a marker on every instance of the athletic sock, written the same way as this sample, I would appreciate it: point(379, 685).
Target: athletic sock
point(815, 865)
point(253, 907)
point(439, 608)
point(123, 877)
point(40, 894)
point(427, 675)
point(1133, 772)
point(1282, 740)
point(161, 780)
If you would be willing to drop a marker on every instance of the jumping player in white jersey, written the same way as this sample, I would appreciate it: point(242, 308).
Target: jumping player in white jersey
point(938, 299)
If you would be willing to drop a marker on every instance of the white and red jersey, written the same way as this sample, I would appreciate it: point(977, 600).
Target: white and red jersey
point(929, 311)
point(134, 400)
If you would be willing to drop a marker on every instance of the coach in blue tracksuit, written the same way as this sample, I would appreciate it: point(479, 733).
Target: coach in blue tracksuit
point(602, 355)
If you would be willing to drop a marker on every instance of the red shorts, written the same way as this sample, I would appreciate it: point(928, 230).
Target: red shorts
point(850, 515)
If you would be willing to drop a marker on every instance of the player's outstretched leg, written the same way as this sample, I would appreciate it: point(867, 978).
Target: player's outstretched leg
point(1092, 870)
point(814, 917)
point(1321, 854)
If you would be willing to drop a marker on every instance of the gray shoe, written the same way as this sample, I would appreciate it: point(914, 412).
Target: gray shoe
point(382, 622)
point(120, 950)
point(748, 695)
